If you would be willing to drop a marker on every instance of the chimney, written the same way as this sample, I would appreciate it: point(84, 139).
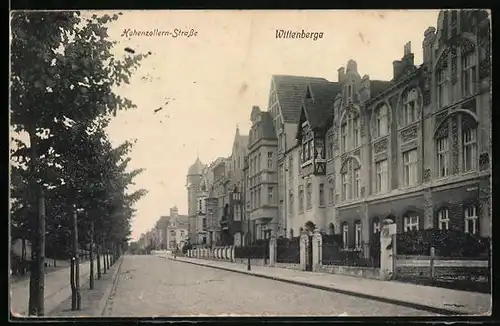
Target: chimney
point(174, 211)
point(408, 57)
point(429, 36)
point(352, 66)
point(341, 73)
point(396, 65)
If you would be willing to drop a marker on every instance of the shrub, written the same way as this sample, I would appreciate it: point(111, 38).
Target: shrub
point(449, 243)
point(186, 247)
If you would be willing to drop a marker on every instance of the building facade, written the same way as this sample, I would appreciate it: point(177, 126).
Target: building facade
point(343, 156)
point(262, 184)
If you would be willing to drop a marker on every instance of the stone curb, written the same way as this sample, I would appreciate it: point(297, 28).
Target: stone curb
point(441, 311)
point(103, 303)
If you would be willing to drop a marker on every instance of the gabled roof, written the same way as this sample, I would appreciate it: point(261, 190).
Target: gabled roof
point(318, 110)
point(290, 92)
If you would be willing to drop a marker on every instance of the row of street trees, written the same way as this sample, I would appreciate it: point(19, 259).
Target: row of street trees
point(69, 185)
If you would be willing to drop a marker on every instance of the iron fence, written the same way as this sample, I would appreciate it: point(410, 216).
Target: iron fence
point(253, 251)
point(288, 251)
point(335, 254)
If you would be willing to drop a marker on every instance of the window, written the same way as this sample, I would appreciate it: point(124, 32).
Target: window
point(331, 195)
point(356, 190)
point(290, 204)
point(329, 153)
point(343, 137)
point(301, 199)
point(442, 156)
point(376, 227)
point(258, 162)
point(345, 234)
point(355, 133)
point(172, 233)
point(382, 176)
point(469, 149)
point(270, 160)
point(321, 194)
point(270, 195)
point(471, 220)
point(357, 235)
point(237, 213)
point(410, 167)
point(443, 219)
point(410, 223)
point(410, 111)
point(182, 234)
point(468, 73)
point(290, 166)
point(381, 121)
point(309, 196)
point(258, 197)
point(442, 88)
point(345, 187)
point(204, 222)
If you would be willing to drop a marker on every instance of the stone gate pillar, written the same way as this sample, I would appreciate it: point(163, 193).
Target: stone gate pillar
point(304, 244)
point(387, 249)
point(272, 250)
point(317, 243)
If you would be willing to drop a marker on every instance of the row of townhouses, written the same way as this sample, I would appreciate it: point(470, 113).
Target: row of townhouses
point(345, 155)
point(169, 233)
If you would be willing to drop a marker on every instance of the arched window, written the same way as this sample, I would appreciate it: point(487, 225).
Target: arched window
point(443, 219)
point(350, 132)
point(381, 121)
point(471, 220)
point(350, 175)
point(345, 235)
point(410, 107)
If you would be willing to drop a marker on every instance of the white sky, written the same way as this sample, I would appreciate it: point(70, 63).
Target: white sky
point(217, 76)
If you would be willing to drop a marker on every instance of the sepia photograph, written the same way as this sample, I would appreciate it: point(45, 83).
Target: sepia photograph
point(250, 163)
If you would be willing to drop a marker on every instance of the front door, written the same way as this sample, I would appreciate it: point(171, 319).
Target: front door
point(309, 255)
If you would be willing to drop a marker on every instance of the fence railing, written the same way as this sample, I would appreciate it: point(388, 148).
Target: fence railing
point(461, 273)
point(253, 251)
point(288, 251)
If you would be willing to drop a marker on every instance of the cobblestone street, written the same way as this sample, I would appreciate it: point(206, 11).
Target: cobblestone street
point(154, 286)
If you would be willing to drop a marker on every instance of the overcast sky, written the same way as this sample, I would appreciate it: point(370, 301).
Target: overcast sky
point(214, 78)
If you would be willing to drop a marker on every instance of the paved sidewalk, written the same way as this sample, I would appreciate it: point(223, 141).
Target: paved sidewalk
point(93, 301)
point(433, 299)
point(57, 289)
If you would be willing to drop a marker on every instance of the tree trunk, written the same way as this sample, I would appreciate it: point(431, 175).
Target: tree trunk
point(98, 262)
point(37, 274)
point(72, 283)
point(91, 281)
point(104, 268)
point(76, 258)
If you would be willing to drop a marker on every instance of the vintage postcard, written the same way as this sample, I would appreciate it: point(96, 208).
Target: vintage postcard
point(250, 163)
